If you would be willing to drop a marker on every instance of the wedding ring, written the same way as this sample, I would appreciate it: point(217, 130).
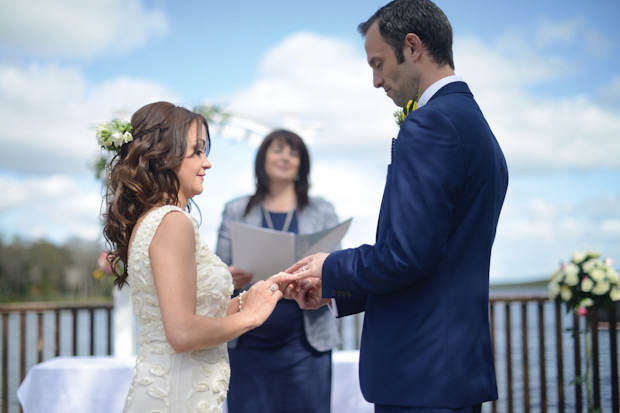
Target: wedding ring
point(303, 268)
point(273, 288)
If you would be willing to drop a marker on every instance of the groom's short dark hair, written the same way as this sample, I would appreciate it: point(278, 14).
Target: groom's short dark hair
point(422, 17)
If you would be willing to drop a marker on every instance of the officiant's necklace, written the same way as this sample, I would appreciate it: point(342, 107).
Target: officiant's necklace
point(287, 221)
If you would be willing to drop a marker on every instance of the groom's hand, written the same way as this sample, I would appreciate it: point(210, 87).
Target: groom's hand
point(307, 292)
point(309, 267)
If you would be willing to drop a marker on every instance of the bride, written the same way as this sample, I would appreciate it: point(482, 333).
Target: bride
point(180, 290)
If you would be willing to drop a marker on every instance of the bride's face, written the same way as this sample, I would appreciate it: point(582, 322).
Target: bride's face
point(281, 161)
point(192, 170)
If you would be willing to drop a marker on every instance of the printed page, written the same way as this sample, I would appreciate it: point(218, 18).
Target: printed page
point(265, 252)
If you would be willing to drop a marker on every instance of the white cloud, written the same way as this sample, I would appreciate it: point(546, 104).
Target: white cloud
point(325, 81)
point(82, 29)
point(48, 114)
point(537, 133)
point(55, 207)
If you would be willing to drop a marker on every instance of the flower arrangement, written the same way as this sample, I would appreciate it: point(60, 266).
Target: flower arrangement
point(585, 281)
point(114, 134)
point(401, 114)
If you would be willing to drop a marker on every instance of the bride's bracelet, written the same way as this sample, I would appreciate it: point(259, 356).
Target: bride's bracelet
point(241, 300)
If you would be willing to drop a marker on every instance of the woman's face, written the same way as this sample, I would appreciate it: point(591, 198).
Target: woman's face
point(281, 162)
point(192, 170)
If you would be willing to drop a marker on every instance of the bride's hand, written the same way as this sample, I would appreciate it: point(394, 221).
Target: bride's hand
point(280, 279)
point(260, 301)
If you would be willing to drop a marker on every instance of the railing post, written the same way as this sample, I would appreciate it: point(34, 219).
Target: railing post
point(22, 345)
point(541, 357)
point(92, 331)
point(109, 313)
point(613, 348)
point(524, 347)
point(595, 367)
point(577, 357)
point(56, 333)
point(508, 356)
point(39, 336)
point(5, 362)
point(559, 356)
point(75, 321)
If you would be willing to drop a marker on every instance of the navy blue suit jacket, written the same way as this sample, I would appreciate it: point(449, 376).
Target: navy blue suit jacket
point(424, 284)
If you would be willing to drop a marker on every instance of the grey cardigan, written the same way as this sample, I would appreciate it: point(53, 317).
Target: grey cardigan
point(319, 325)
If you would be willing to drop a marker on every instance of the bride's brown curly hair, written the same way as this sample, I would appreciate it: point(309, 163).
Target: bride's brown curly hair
point(144, 174)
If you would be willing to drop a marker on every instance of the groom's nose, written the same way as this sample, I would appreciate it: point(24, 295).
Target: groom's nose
point(377, 79)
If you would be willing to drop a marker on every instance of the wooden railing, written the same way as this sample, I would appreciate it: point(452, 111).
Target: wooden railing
point(57, 315)
point(537, 356)
point(543, 352)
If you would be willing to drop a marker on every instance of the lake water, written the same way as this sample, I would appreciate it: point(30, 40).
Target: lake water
point(349, 342)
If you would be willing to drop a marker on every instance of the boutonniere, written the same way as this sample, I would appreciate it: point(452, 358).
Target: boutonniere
point(401, 114)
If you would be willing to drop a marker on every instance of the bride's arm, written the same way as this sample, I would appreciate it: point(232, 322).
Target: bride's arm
point(173, 261)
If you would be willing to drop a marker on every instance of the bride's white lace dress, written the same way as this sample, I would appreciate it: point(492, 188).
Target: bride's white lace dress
point(163, 380)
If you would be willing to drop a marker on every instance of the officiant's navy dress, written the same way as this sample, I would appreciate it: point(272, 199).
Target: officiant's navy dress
point(274, 365)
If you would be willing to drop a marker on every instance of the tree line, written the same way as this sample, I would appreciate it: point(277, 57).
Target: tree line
point(43, 271)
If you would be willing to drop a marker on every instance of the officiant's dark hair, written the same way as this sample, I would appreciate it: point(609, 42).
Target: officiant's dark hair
point(144, 174)
point(262, 181)
point(421, 17)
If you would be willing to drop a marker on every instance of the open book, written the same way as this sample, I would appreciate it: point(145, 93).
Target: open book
point(264, 252)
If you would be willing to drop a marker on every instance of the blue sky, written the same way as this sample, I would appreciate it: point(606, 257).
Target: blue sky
point(546, 74)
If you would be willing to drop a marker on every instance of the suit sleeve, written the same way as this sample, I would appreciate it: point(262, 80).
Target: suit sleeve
point(415, 219)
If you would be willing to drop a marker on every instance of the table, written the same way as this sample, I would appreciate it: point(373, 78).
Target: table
point(100, 384)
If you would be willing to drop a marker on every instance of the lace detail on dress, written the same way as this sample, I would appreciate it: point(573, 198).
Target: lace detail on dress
point(163, 380)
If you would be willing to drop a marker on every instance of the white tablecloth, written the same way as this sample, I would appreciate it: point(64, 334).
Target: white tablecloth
point(100, 384)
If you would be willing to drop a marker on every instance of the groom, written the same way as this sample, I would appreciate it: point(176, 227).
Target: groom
point(424, 284)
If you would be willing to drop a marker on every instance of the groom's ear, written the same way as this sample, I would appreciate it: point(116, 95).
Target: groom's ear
point(413, 45)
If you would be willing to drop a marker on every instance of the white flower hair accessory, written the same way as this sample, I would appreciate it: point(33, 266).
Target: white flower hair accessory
point(114, 134)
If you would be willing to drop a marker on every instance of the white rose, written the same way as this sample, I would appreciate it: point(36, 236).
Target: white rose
point(598, 275)
point(579, 256)
point(586, 285)
point(614, 294)
point(557, 275)
point(571, 279)
point(566, 293)
point(586, 302)
point(571, 269)
point(601, 288)
point(613, 276)
point(589, 265)
point(554, 290)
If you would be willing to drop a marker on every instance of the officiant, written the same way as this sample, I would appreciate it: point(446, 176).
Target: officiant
point(273, 366)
